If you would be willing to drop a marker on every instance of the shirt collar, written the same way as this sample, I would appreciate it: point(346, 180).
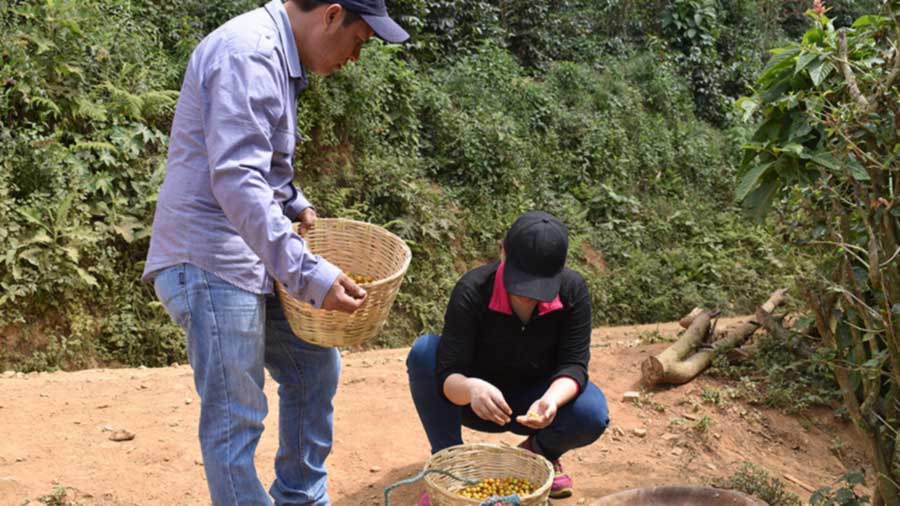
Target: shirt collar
point(500, 299)
point(283, 24)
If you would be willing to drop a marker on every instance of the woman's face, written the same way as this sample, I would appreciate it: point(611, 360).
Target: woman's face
point(522, 305)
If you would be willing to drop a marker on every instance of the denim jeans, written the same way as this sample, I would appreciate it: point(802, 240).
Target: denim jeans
point(231, 335)
point(578, 423)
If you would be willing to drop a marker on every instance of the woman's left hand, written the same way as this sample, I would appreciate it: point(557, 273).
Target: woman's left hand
point(540, 414)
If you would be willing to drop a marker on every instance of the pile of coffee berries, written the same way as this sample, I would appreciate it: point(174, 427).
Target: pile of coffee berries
point(498, 487)
point(360, 279)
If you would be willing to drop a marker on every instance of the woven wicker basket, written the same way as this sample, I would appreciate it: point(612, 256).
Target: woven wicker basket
point(361, 249)
point(480, 461)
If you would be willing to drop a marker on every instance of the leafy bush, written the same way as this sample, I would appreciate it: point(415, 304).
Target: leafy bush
point(778, 377)
point(827, 140)
point(580, 108)
point(843, 493)
point(753, 480)
point(82, 159)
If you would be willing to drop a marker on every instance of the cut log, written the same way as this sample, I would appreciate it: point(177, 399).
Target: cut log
point(772, 325)
point(675, 367)
point(687, 369)
point(686, 321)
point(776, 299)
point(655, 369)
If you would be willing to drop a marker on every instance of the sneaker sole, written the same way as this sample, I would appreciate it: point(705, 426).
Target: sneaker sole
point(562, 493)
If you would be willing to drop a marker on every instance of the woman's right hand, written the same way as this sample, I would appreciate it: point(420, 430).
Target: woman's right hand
point(488, 403)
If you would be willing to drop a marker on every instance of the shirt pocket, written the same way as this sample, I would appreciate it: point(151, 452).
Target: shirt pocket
point(283, 142)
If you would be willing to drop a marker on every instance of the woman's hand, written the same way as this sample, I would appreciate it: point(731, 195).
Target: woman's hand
point(488, 403)
point(540, 414)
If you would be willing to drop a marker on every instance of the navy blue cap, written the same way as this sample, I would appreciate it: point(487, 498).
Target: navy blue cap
point(375, 13)
point(536, 247)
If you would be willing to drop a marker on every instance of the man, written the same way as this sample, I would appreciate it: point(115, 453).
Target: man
point(222, 233)
point(514, 352)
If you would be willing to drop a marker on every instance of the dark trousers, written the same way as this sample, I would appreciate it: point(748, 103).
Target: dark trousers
point(578, 423)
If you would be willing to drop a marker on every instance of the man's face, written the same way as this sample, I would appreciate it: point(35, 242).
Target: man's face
point(338, 43)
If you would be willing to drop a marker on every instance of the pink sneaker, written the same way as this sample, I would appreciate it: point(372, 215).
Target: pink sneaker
point(424, 500)
point(562, 483)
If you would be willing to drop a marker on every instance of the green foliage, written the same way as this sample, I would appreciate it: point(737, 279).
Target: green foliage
point(81, 162)
point(59, 497)
point(826, 146)
point(778, 377)
point(586, 109)
point(754, 480)
point(843, 493)
point(484, 127)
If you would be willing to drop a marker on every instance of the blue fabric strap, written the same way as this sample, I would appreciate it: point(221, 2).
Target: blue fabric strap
point(510, 500)
point(387, 501)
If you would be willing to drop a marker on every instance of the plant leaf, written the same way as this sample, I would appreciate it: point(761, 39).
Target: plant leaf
point(750, 179)
point(820, 71)
point(857, 171)
point(758, 202)
point(86, 276)
point(804, 60)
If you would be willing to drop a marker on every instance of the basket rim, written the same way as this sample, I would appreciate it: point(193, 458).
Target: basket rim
point(538, 491)
point(407, 252)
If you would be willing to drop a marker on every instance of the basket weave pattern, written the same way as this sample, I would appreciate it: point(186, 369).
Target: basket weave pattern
point(361, 249)
point(480, 461)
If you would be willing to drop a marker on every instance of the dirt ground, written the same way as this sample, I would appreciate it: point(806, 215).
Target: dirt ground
point(55, 429)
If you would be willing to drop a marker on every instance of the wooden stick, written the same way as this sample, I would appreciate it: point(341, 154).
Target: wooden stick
point(844, 64)
point(798, 482)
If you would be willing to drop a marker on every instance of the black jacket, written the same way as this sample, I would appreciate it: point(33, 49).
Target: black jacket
point(497, 347)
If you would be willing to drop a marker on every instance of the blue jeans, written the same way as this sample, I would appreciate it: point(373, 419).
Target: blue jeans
point(578, 423)
point(231, 335)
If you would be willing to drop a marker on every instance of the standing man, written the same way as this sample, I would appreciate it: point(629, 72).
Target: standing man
point(514, 353)
point(222, 234)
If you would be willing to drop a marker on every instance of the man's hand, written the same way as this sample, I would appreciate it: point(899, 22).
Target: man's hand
point(307, 220)
point(488, 403)
point(344, 295)
point(540, 414)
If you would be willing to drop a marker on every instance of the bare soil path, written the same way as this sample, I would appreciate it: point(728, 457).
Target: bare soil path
point(55, 428)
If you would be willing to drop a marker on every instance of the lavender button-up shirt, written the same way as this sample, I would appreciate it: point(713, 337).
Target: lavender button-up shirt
point(227, 201)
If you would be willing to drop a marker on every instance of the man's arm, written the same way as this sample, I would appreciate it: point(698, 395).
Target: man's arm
point(243, 108)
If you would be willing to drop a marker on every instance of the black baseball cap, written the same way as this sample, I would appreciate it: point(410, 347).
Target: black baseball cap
point(375, 13)
point(536, 247)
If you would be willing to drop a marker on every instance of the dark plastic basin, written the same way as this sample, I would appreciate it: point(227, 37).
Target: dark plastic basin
point(678, 496)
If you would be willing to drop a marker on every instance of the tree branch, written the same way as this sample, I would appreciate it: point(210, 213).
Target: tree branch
point(844, 65)
point(895, 70)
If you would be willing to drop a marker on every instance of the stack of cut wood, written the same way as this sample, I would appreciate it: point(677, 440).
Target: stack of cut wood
point(695, 350)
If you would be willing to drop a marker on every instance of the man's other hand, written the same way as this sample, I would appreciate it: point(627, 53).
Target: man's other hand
point(307, 220)
point(344, 295)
